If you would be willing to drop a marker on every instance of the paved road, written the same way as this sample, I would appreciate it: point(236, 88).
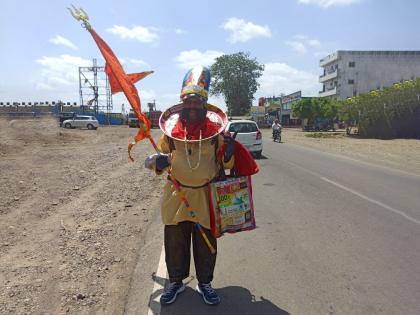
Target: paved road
point(335, 236)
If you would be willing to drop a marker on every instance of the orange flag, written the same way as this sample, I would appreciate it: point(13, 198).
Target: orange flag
point(133, 77)
point(121, 82)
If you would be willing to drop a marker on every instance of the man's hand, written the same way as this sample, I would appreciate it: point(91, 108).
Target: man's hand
point(157, 162)
point(162, 162)
point(229, 143)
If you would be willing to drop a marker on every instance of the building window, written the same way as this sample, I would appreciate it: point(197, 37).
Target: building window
point(351, 81)
point(352, 64)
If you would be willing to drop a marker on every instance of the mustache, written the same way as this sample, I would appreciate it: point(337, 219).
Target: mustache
point(201, 113)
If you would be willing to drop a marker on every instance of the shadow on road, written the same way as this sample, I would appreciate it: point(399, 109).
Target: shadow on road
point(235, 300)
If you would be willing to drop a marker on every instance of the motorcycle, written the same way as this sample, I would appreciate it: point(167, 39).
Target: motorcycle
point(277, 135)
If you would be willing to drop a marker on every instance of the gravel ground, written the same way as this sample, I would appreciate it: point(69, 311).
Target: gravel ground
point(73, 215)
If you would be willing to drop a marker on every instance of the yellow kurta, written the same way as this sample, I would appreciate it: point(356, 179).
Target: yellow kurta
point(172, 208)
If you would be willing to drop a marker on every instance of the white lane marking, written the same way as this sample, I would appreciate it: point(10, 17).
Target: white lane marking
point(302, 168)
point(358, 194)
point(160, 273)
point(372, 200)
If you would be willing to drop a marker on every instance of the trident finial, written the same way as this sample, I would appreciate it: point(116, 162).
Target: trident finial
point(80, 15)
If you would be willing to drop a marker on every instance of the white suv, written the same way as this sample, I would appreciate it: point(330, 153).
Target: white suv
point(248, 135)
point(88, 122)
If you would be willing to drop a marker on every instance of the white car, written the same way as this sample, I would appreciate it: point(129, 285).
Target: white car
point(248, 135)
point(89, 122)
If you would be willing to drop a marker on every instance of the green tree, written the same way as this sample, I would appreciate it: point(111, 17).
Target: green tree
point(329, 109)
point(389, 113)
point(349, 110)
point(314, 108)
point(303, 109)
point(235, 77)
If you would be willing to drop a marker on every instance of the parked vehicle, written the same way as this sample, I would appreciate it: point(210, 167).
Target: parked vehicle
point(89, 122)
point(320, 124)
point(248, 135)
point(324, 126)
point(65, 116)
point(154, 118)
point(133, 121)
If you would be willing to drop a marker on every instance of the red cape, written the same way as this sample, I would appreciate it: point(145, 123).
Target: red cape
point(245, 164)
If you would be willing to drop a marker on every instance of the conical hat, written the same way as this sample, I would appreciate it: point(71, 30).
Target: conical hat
point(170, 117)
point(196, 82)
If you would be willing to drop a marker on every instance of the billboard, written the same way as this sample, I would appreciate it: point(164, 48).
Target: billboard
point(291, 97)
point(257, 111)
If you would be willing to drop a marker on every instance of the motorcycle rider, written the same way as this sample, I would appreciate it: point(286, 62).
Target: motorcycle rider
point(276, 127)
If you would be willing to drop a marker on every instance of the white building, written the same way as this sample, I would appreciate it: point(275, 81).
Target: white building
point(350, 73)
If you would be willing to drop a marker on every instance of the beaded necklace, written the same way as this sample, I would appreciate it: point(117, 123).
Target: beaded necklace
point(187, 153)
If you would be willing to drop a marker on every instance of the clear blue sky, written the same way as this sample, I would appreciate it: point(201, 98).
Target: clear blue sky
point(42, 45)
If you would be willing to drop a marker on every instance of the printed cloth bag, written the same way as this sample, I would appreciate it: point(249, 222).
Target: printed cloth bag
point(231, 206)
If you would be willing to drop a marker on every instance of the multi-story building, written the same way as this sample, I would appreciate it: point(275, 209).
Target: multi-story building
point(350, 73)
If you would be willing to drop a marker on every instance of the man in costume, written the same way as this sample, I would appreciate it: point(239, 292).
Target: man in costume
point(189, 149)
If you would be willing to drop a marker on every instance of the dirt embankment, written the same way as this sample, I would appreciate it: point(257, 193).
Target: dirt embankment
point(401, 154)
point(73, 214)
